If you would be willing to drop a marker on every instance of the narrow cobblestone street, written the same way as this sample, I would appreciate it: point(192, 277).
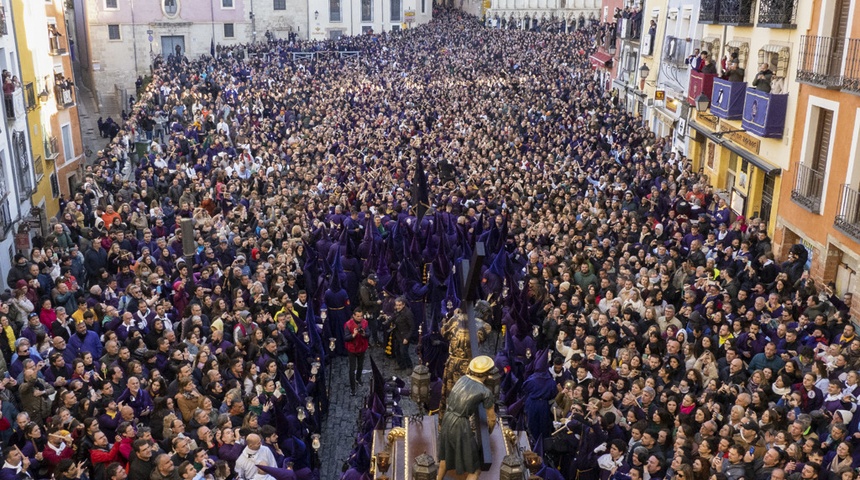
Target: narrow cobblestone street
point(341, 425)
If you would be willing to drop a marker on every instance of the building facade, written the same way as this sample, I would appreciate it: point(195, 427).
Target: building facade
point(736, 131)
point(533, 13)
point(116, 40)
point(17, 180)
point(51, 97)
point(820, 199)
point(336, 18)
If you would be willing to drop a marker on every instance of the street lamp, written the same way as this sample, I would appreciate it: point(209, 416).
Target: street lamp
point(702, 102)
point(316, 14)
point(644, 71)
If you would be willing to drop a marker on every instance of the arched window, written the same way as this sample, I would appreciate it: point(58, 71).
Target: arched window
point(170, 7)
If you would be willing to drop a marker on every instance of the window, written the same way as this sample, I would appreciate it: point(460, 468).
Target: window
point(739, 48)
point(113, 4)
point(170, 7)
point(226, 3)
point(366, 10)
point(395, 11)
point(334, 11)
point(280, 4)
point(21, 165)
point(68, 146)
point(777, 57)
point(228, 30)
point(4, 182)
point(113, 32)
point(423, 6)
point(811, 171)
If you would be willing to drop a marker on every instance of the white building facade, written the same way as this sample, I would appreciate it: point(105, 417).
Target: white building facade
point(336, 18)
point(17, 180)
point(528, 14)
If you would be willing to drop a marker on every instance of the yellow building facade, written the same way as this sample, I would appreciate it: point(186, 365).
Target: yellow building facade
point(47, 75)
point(740, 134)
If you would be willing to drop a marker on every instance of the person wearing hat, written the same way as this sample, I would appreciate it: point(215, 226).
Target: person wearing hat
point(372, 305)
point(457, 444)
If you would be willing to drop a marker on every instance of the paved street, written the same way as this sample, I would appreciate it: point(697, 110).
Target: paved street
point(339, 429)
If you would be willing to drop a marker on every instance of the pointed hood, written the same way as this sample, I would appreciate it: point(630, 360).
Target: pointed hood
point(336, 272)
point(452, 293)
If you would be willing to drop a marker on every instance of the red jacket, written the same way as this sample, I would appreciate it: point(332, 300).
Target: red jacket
point(357, 343)
point(98, 455)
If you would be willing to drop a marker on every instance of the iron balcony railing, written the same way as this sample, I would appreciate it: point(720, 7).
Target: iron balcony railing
point(851, 75)
point(820, 61)
point(808, 187)
point(736, 12)
point(848, 218)
point(30, 99)
point(56, 45)
point(65, 95)
point(709, 11)
point(4, 30)
point(6, 220)
point(777, 13)
point(52, 148)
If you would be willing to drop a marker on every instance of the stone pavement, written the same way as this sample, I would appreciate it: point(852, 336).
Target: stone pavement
point(341, 425)
point(339, 429)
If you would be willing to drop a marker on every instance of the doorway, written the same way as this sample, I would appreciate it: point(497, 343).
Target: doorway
point(172, 44)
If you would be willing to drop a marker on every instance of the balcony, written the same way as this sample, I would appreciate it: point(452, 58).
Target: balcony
point(4, 30)
point(709, 11)
point(808, 187)
point(777, 14)
point(764, 113)
point(56, 45)
point(736, 12)
point(6, 221)
point(727, 99)
point(851, 76)
point(65, 95)
point(848, 218)
point(675, 51)
point(15, 105)
point(820, 61)
point(30, 99)
point(699, 83)
point(52, 148)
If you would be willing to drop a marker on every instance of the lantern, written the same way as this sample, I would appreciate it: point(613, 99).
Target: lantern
point(331, 343)
point(309, 404)
point(424, 468)
point(420, 392)
point(533, 461)
point(315, 442)
point(512, 468)
point(383, 461)
point(300, 414)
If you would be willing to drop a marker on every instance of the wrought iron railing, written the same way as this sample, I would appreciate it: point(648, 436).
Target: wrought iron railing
point(736, 12)
point(52, 148)
point(808, 188)
point(65, 95)
point(848, 218)
point(6, 220)
point(820, 61)
point(4, 30)
point(38, 166)
point(30, 98)
point(57, 47)
point(851, 75)
point(777, 13)
point(709, 11)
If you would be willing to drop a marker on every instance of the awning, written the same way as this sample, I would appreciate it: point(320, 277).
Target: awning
point(664, 117)
point(600, 59)
point(754, 159)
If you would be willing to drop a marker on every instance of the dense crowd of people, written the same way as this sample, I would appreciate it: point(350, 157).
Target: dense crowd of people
point(642, 330)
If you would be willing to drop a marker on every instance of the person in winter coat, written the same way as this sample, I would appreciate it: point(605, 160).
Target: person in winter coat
point(34, 393)
point(401, 324)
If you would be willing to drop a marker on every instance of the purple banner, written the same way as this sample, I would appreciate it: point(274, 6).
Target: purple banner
point(727, 99)
point(764, 113)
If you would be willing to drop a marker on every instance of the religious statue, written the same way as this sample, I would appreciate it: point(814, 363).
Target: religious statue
point(457, 444)
point(456, 331)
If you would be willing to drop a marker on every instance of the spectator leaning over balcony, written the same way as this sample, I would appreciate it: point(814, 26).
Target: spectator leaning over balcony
point(763, 78)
